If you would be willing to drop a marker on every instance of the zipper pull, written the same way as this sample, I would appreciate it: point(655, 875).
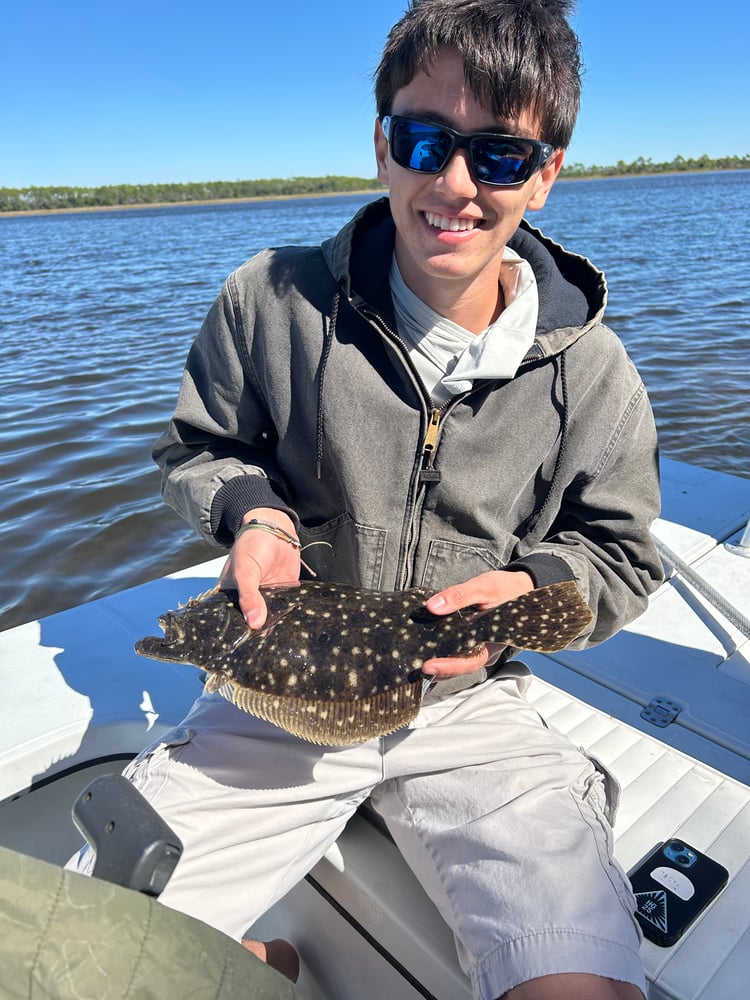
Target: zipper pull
point(428, 472)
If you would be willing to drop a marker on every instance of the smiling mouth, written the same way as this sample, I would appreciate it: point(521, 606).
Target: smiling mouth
point(452, 225)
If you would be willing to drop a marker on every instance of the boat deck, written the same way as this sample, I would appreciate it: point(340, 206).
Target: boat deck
point(82, 702)
point(681, 648)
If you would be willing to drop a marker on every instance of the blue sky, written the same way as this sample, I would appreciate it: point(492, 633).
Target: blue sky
point(93, 92)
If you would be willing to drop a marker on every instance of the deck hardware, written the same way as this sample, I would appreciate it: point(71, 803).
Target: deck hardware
point(741, 548)
point(661, 711)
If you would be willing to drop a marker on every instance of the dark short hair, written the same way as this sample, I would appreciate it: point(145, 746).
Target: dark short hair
point(518, 55)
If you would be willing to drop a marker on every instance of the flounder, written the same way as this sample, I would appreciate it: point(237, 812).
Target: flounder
point(337, 665)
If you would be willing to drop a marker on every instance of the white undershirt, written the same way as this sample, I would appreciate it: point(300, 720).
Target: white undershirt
point(448, 357)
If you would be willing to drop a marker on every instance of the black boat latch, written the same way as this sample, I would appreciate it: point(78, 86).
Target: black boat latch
point(661, 711)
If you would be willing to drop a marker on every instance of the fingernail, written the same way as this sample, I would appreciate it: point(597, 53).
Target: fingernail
point(437, 603)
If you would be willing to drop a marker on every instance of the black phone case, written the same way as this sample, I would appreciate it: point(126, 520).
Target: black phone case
point(662, 909)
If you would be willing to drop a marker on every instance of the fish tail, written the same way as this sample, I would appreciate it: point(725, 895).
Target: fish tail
point(544, 620)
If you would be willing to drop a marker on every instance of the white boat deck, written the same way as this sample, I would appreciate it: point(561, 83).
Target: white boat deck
point(681, 648)
point(78, 701)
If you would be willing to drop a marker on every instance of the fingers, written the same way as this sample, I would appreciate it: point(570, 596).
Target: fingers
point(259, 558)
point(243, 572)
point(486, 590)
point(453, 666)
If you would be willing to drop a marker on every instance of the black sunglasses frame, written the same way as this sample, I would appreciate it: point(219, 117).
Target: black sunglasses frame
point(534, 160)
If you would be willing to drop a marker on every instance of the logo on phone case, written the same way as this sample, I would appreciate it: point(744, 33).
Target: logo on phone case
point(675, 881)
point(652, 906)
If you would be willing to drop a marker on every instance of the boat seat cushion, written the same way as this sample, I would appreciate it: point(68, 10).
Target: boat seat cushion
point(68, 936)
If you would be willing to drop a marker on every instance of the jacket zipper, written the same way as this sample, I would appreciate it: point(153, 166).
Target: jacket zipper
point(427, 472)
point(429, 444)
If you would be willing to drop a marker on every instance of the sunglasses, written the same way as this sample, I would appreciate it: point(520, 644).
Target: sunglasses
point(501, 160)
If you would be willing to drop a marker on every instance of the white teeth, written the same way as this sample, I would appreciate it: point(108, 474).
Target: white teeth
point(452, 225)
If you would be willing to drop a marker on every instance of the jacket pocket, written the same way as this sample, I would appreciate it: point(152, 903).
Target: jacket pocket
point(345, 552)
point(449, 563)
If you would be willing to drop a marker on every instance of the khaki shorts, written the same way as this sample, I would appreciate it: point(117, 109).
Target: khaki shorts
point(502, 819)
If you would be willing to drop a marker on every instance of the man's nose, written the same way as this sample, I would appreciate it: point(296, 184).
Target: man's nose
point(456, 176)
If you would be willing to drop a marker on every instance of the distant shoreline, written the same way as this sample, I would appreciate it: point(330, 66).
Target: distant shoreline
point(140, 206)
point(16, 213)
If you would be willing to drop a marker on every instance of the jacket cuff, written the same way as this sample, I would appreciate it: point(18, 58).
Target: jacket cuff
point(543, 568)
point(236, 498)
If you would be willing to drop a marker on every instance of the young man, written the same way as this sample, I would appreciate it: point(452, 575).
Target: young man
point(433, 394)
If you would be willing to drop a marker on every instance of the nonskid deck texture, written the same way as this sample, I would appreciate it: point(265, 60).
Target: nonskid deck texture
point(682, 663)
point(664, 794)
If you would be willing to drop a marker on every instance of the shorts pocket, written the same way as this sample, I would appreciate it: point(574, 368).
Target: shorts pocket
point(140, 770)
point(604, 787)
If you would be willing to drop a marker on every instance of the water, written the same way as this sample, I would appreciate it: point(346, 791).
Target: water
point(99, 311)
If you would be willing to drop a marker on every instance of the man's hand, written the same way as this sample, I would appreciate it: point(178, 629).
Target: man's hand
point(487, 590)
point(259, 558)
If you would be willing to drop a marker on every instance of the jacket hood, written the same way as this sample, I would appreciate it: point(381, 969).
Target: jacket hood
point(572, 292)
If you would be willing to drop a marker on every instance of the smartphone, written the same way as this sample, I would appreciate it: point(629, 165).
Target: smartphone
point(672, 886)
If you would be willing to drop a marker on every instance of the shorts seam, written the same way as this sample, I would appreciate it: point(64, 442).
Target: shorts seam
point(482, 964)
point(613, 874)
point(417, 830)
point(272, 896)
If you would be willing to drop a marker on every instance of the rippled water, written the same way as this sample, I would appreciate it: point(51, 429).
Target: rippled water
point(99, 310)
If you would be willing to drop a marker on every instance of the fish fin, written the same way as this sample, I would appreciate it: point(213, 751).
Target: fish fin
point(192, 601)
point(334, 723)
point(215, 681)
point(544, 620)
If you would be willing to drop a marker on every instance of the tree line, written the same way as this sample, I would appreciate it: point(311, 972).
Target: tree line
point(679, 164)
point(112, 195)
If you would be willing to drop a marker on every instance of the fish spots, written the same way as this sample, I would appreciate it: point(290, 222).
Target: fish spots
point(360, 674)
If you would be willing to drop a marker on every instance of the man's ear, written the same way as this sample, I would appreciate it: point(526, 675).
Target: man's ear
point(381, 153)
point(544, 180)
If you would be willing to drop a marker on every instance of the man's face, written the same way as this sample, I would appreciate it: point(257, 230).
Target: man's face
point(456, 272)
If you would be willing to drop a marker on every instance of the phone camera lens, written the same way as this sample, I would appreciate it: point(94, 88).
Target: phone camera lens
point(680, 854)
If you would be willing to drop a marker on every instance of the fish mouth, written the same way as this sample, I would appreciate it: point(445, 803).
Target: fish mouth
point(173, 628)
point(169, 647)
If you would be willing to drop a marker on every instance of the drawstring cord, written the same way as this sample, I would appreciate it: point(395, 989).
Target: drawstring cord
point(328, 343)
point(330, 333)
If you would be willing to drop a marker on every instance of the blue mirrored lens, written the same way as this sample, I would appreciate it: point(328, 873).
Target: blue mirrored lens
point(420, 147)
point(426, 148)
point(499, 162)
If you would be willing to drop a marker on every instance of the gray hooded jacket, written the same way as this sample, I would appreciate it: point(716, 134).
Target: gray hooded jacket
point(298, 394)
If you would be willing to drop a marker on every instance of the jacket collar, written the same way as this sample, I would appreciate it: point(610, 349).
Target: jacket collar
point(572, 292)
